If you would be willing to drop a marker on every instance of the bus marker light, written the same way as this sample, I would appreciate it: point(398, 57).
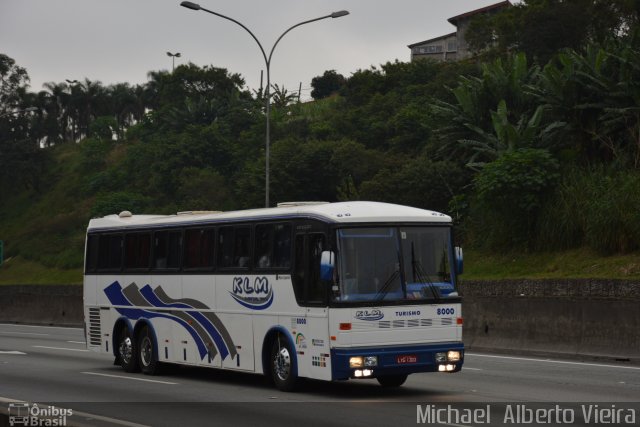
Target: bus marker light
point(333, 338)
point(459, 321)
point(345, 326)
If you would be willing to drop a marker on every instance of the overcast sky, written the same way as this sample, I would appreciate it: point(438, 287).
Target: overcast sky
point(121, 40)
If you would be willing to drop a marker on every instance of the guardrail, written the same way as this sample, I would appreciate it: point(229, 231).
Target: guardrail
point(591, 318)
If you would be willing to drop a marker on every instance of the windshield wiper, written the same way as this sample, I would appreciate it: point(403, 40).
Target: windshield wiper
point(384, 290)
point(421, 276)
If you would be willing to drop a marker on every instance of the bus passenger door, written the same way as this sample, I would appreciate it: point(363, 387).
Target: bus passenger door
point(312, 332)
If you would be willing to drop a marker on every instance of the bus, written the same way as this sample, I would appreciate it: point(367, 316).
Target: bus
point(329, 291)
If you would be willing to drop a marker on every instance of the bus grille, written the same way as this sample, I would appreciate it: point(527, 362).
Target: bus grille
point(401, 323)
point(94, 326)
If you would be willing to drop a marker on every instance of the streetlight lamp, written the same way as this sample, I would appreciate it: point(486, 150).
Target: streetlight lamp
point(267, 61)
point(173, 58)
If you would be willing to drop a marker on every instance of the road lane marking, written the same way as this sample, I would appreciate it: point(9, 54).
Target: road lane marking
point(21, 333)
point(38, 326)
point(600, 365)
point(128, 378)
point(59, 348)
point(77, 342)
point(471, 369)
point(12, 352)
point(91, 417)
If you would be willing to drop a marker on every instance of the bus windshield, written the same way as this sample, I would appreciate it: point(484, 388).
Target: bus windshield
point(394, 264)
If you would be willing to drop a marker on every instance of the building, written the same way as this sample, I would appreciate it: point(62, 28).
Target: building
point(452, 46)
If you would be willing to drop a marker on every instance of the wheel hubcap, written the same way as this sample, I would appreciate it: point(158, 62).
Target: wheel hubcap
point(282, 364)
point(126, 348)
point(146, 351)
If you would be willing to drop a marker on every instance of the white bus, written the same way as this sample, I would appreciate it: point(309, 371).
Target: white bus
point(329, 291)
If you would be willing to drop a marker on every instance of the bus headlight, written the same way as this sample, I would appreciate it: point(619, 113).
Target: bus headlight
point(356, 362)
point(453, 356)
point(371, 361)
point(449, 356)
point(363, 361)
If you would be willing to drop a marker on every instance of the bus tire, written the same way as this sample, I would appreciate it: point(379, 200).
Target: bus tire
point(392, 380)
point(283, 364)
point(147, 354)
point(127, 352)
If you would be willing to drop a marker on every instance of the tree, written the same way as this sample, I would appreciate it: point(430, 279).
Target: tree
point(540, 28)
point(326, 85)
point(14, 82)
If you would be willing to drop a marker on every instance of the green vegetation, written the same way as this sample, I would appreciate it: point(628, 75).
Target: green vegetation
point(532, 146)
point(18, 271)
point(571, 264)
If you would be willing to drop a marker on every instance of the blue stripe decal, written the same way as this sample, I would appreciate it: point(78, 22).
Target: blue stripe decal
point(114, 293)
point(147, 292)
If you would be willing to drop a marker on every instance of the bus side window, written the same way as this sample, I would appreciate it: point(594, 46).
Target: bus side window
point(241, 253)
point(273, 246)
point(299, 269)
point(167, 249)
point(110, 252)
point(264, 245)
point(137, 251)
point(308, 286)
point(92, 253)
point(234, 247)
point(198, 253)
point(317, 289)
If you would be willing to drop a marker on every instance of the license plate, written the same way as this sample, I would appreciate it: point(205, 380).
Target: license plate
point(407, 358)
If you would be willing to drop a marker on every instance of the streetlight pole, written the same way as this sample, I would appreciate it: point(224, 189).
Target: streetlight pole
point(267, 61)
point(173, 58)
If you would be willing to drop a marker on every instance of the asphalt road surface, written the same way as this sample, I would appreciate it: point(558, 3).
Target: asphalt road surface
point(51, 367)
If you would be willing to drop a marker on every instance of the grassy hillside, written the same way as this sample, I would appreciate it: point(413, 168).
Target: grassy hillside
point(577, 263)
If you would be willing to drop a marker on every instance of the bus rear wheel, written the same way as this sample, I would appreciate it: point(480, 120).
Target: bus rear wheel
point(392, 380)
point(147, 354)
point(283, 368)
point(127, 351)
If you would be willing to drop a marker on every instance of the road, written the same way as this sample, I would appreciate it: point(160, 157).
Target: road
point(51, 366)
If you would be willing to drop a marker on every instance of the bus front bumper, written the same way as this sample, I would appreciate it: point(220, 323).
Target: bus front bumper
point(372, 362)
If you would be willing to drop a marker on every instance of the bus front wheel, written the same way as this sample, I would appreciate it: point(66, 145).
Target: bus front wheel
point(127, 351)
point(283, 360)
point(392, 380)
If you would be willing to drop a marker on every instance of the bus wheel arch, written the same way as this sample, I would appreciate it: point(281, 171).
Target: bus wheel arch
point(279, 359)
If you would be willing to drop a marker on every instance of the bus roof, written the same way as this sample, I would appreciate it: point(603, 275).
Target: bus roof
point(343, 212)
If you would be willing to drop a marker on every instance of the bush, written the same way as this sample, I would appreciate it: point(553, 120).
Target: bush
point(599, 208)
point(509, 194)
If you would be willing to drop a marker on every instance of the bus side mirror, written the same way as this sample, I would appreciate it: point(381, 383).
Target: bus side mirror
point(459, 259)
point(327, 265)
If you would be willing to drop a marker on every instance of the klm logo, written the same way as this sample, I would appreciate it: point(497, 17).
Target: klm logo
point(256, 295)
